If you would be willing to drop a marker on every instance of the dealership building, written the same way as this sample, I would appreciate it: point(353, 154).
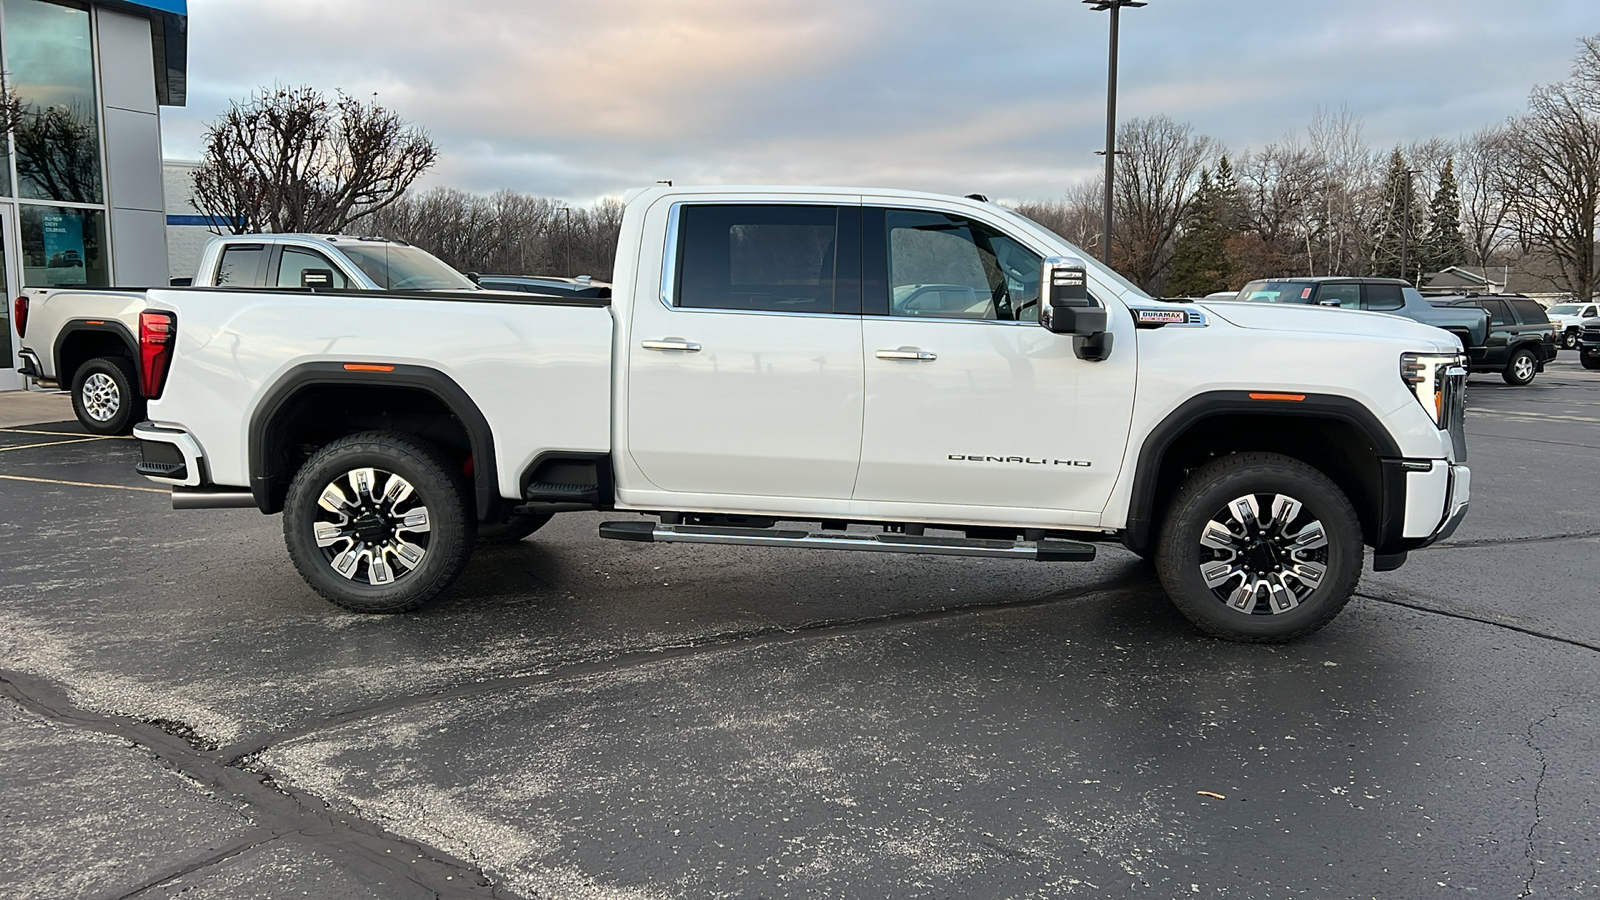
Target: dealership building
point(80, 167)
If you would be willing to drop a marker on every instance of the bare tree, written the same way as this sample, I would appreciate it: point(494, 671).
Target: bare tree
point(506, 232)
point(1077, 217)
point(1155, 183)
point(1481, 162)
point(288, 159)
point(1552, 172)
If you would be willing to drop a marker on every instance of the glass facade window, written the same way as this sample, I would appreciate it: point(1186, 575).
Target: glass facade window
point(50, 69)
point(63, 246)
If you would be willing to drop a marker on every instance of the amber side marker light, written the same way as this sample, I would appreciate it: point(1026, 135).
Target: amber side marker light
point(367, 367)
point(1293, 397)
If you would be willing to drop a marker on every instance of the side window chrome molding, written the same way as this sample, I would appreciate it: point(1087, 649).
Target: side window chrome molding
point(669, 265)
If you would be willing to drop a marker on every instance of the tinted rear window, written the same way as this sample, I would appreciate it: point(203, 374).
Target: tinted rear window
point(1530, 312)
point(1384, 296)
point(776, 258)
point(240, 265)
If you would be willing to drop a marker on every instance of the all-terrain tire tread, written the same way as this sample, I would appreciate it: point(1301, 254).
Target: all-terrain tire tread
point(1170, 563)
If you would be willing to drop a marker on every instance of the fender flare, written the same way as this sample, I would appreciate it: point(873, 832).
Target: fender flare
point(486, 486)
point(100, 326)
point(1141, 506)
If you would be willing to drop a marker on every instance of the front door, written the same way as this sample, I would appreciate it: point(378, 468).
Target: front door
point(12, 285)
point(744, 378)
point(970, 403)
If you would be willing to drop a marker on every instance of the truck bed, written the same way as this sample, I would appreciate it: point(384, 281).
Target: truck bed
point(538, 368)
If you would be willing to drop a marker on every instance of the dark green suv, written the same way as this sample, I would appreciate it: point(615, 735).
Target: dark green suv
point(1521, 337)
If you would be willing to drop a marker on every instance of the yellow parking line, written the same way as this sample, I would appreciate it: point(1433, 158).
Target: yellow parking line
point(97, 437)
point(114, 487)
point(49, 444)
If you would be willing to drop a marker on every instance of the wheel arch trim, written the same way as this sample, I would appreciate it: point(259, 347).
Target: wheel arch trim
point(96, 326)
point(263, 482)
point(1152, 453)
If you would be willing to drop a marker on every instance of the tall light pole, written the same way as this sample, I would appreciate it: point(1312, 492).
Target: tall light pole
point(1115, 6)
point(1405, 222)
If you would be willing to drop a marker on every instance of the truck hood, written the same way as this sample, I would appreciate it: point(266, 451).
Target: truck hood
point(1328, 320)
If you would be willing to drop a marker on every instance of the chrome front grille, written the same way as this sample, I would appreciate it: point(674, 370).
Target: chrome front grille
point(1453, 403)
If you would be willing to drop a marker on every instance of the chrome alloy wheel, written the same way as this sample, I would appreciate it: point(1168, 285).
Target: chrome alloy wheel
point(1523, 367)
point(1263, 565)
point(371, 526)
point(101, 398)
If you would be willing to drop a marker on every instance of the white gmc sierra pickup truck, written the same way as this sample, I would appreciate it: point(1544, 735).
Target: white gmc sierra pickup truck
point(827, 368)
point(83, 340)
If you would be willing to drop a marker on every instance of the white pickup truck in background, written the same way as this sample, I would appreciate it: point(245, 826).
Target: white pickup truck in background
point(871, 370)
point(87, 340)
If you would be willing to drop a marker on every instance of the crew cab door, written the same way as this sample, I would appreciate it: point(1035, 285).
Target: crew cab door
point(745, 375)
point(970, 403)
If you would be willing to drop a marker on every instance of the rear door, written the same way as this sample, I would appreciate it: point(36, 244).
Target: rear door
point(745, 375)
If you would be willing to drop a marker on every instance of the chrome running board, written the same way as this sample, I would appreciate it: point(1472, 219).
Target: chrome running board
point(1044, 550)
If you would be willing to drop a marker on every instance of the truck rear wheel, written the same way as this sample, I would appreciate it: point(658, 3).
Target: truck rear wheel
point(1521, 369)
point(1259, 547)
point(378, 522)
point(105, 395)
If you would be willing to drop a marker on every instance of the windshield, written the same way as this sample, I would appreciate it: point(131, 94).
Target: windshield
point(398, 268)
point(1278, 292)
point(1565, 309)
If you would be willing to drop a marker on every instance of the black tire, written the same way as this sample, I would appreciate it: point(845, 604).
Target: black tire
point(1208, 495)
point(1569, 340)
point(1521, 368)
point(105, 395)
point(513, 529)
point(1589, 362)
point(374, 528)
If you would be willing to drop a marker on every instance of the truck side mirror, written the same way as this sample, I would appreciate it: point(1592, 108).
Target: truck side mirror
point(1070, 310)
point(316, 279)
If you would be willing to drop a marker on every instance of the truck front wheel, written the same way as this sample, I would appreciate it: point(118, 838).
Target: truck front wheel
point(378, 522)
point(1259, 547)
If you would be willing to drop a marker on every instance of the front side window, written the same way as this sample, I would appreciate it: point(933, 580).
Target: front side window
point(63, 246)
point(950, 267)
point(767, 257)
point(51, 70)
point(240, 265)
point(295, 262)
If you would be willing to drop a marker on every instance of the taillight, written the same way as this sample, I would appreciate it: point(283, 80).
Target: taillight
point(158, 331)
point(19, 315)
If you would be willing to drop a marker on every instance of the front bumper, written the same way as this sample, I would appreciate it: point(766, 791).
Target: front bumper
point(1424, 502)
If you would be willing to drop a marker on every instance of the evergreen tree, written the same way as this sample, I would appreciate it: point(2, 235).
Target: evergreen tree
point(1443, 245)
point(1200, 257)
point(1399, 222)
point(1232, 213)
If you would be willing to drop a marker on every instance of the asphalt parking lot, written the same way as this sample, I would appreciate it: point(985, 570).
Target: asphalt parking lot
point(180, 714)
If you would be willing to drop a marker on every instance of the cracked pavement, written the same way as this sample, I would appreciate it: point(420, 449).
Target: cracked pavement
point(179, 714)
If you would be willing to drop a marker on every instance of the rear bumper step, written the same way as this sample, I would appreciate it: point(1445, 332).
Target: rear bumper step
point(1046, 550)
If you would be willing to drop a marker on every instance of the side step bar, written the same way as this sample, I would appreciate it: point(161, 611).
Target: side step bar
point(1046, 550)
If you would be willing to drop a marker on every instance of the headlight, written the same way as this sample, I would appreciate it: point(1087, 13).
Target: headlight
point(1438, 381)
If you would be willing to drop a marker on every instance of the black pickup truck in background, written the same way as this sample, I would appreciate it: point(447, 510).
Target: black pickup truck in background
point(1521, 337)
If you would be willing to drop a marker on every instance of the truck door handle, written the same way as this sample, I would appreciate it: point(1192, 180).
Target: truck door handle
point(907, 353)
point(671, 344)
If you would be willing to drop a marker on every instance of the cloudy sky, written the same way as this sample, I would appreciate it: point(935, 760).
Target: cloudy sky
point(578, 99)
